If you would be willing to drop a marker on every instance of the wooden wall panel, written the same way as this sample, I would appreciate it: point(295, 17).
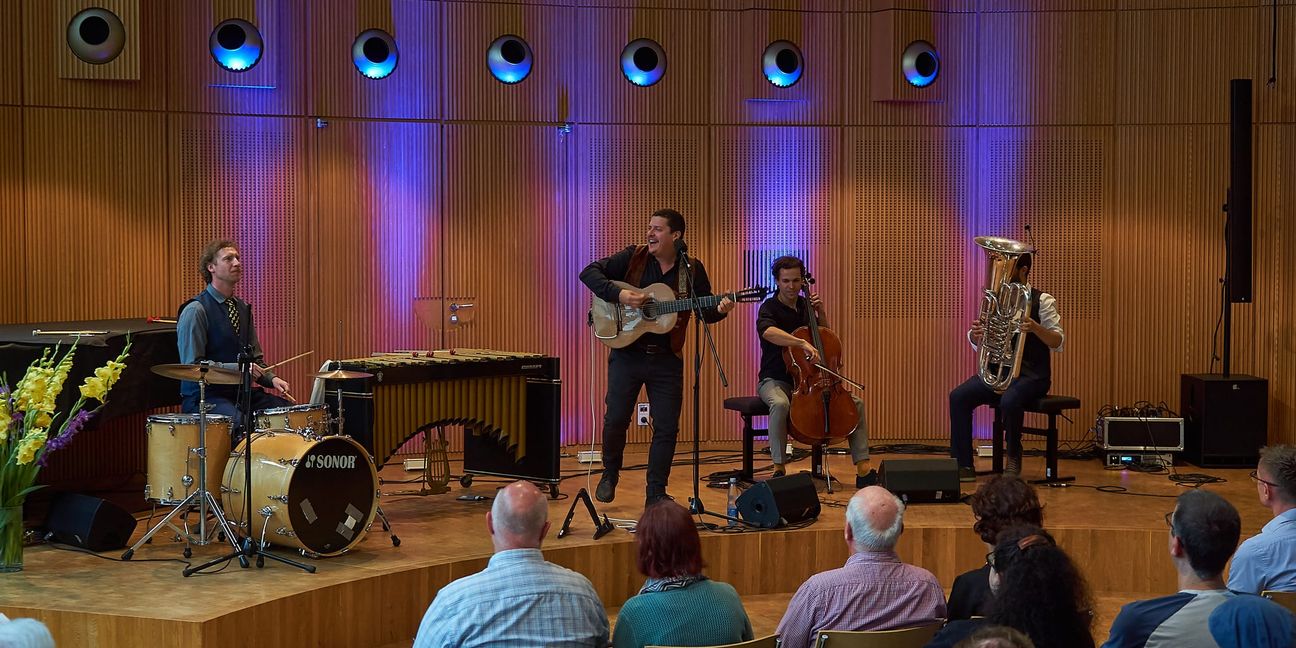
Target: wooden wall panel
point(909, 272)
point(471, 93)
point(1047, 68)
point(11, 76)
point(13, 263)
point(1167, 254)
point(45, 45)
point(623, 175)
point(672, 5)
point(741, 93)
point(954, 35)
point(96, 214)
point(680, 97)
point(338, 89)
point(274, 86)
point(806, 6)
point(1138, 5)
point(988, 6)
point(1058, 182)
point(246, 179)
point(378, 243)
point(1174, 66)
point(1276, 103)
point(1275, 287)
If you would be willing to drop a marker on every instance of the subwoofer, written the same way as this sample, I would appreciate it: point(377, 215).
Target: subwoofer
point(88, 522)
point(1226, 419)
point(779, 501)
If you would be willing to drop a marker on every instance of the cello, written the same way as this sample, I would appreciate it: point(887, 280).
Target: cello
point(821, 411)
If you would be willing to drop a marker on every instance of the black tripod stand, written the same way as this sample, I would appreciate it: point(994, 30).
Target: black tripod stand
point(249, 548)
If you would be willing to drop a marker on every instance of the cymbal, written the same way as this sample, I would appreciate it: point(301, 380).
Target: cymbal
point(195, 372)
point(340, 374)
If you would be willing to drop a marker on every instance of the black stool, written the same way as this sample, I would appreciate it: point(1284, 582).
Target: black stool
point(749, 407)
point(1050, 405)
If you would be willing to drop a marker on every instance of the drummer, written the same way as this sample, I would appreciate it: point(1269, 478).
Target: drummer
point(213, 326)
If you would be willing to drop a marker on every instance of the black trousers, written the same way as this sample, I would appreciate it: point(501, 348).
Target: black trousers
point(663, 374)
point(1012, 403)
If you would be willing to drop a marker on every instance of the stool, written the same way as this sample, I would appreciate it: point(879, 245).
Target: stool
point(749, 407)
point(1050, 405)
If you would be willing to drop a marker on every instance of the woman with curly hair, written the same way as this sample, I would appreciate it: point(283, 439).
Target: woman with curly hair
point(1037, 590)
point(1001, 502)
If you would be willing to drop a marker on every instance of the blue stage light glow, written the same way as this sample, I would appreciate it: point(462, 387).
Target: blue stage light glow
point(643, 62)
point(509, 59)
point(782, 63)
point(920, 63)
point(236, 45)
point(374, 54)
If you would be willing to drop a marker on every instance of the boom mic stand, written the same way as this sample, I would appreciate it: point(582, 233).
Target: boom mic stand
point(695, 502)
point(249, 548)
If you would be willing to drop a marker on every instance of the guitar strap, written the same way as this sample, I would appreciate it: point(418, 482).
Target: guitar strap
point(634, 277)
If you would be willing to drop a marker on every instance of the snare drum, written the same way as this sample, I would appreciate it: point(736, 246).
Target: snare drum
point(173, 457)
point(318, 495)
point(308, 419)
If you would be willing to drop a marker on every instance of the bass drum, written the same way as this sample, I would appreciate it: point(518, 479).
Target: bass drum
point(318, 495)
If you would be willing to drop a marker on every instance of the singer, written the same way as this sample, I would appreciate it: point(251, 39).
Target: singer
point(654, 360)
point(213, 326)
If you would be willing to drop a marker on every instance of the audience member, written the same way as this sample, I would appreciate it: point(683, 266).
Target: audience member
point(519, 599)
point(677, 606)
point(24, 633)
point(1037, 590)
point(1001, 502)
point(1268, 561)
point(1204, 530)
point(1252, 622)
point(996, 637)
point(874, 590)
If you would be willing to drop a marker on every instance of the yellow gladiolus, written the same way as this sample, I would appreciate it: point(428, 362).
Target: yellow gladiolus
point(30, 444)
point(95, 388)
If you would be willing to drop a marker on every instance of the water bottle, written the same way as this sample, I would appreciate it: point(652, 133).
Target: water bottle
point(732, 510)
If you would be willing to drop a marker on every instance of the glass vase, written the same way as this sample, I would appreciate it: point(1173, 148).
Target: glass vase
point(11, 538)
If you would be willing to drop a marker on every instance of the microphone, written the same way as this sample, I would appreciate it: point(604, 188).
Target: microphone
point(1032, 236)
point(680, 246)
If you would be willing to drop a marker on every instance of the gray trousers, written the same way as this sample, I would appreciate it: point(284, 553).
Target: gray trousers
point(778, 398)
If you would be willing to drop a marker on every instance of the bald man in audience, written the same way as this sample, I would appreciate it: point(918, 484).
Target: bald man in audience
point(874, 590)
point(519, 599)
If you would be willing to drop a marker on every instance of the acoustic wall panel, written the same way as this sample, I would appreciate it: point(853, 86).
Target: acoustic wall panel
point(275, 85)
point(337, 86)
point(54, 76)
point(96, 214)
point(989, 6)
point(13, 293)
point(379, 237)
point(606, 95)
point(1275, 103)
point(1047, 67)
point(954, 89)
point(246, 179)
point(741, 93)
point(472, 93)
point(1276, 275)
point(11, 81)
point(101, 45)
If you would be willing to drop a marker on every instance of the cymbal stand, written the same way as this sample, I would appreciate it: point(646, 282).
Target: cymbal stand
point(201, 497)
point(341, 425)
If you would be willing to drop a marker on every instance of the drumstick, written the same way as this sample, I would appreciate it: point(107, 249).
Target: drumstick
point(152, 320)
point(284, 362)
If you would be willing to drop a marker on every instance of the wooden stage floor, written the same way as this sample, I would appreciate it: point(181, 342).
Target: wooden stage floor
point(376, 594)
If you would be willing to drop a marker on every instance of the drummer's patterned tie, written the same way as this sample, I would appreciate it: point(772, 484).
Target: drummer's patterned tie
point(232, 309)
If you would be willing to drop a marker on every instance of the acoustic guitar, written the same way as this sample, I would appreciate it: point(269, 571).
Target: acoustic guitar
point(618, 325)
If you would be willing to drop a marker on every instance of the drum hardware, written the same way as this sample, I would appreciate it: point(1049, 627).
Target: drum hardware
point(201, 496)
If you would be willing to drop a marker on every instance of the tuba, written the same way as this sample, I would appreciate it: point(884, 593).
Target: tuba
point(1003, 306)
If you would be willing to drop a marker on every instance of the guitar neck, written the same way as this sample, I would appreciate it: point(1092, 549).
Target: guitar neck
point(680, 305)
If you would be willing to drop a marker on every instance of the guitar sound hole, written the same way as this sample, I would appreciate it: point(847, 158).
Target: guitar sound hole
point(649, 311)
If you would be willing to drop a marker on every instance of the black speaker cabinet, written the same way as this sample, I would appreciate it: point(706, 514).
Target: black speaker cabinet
point(921, 480)
point(1226, 419)
point(89, 522)
point(779, 501)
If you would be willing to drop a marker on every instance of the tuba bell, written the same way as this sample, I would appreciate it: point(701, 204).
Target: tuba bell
point(1004, 304)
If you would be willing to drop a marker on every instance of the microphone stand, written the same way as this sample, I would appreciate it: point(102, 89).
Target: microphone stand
point(703, 327)
point(249, 548)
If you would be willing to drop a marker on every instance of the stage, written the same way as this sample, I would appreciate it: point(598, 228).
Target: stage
point(376, 594)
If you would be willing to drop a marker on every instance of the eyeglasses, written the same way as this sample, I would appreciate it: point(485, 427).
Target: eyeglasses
point(1255, 474)
point(1169, 518)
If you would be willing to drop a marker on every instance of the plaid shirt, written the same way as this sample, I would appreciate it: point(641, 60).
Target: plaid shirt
point(518, 600)
point(873, 591)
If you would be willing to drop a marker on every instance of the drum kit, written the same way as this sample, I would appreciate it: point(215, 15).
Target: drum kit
point(313, 488)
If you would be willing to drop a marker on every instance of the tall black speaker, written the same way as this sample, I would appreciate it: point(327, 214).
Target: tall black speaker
point(1239, 192)
point(780, 500)
point(1226, 419)
point(89, 522)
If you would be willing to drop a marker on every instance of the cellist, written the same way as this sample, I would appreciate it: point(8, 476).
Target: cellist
point(779, 316)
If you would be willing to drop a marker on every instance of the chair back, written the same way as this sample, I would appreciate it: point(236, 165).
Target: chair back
point(1285, 599)
point(906, 638)
point(771, 641)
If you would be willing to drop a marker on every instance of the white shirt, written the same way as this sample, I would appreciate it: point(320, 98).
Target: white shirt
point(1049, 319)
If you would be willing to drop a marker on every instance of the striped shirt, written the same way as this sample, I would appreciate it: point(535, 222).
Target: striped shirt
point(873, 591)
point(518, 600)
